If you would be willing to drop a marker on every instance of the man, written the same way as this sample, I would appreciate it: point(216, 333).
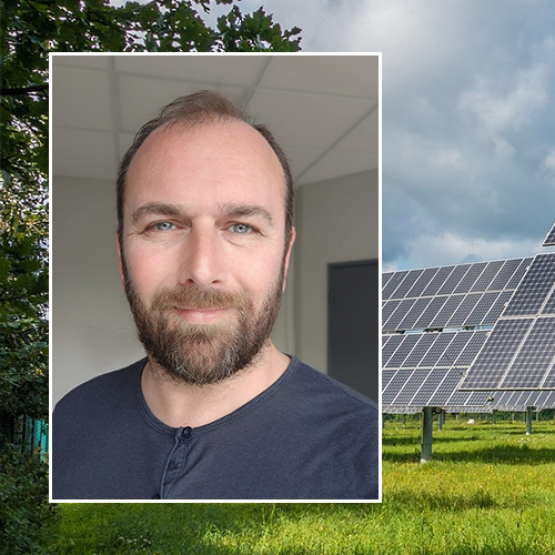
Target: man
point(215, 411)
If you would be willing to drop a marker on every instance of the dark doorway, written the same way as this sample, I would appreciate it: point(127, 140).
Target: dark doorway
point(353, 325)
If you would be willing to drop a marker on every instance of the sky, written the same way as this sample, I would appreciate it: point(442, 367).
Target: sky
point(468, 125)
point(468, 119)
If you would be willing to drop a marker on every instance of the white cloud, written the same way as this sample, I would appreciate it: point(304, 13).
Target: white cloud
point(498, 111)
point(468, 130)
point(452, 248)
point(547, 168)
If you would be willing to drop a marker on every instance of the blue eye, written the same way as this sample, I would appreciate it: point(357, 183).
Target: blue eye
point(241, 228)
point(163, 226)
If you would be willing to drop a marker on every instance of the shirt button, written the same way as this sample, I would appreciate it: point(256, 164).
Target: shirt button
point(187, 432)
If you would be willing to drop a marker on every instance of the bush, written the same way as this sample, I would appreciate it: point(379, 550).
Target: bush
point(26, 517)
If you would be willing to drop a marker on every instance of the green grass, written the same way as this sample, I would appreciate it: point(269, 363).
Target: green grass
point(489, 490)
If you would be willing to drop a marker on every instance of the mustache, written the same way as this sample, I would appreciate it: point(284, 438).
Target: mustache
point(194, 298)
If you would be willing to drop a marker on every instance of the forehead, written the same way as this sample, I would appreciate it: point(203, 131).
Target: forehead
point(221, 162)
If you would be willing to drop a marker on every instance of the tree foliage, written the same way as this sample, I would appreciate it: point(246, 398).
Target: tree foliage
point(29, 31)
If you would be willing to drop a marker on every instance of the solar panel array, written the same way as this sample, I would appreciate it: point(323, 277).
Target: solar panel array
point(434, 323)
point(520, 351)
point(550, 239)
point(518, 401)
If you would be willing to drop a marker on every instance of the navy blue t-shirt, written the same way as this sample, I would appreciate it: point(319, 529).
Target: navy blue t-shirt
point(305, 437)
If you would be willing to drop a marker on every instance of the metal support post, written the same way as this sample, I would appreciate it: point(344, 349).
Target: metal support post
point(440, 420)
point(529, 416)
point(427, 430)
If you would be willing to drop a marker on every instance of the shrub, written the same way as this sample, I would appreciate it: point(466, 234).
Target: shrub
point(26, 517)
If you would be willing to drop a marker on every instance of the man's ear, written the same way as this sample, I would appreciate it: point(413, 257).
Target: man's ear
point(288, 255)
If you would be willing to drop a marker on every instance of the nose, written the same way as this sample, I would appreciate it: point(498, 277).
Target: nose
point(202, 260)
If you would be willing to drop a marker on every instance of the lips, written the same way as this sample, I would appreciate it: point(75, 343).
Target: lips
point(201, 315)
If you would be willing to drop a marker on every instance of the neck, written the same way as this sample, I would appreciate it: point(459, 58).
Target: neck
point(180, 404)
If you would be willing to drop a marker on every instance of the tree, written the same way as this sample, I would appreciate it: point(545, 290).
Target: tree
point(29, 31)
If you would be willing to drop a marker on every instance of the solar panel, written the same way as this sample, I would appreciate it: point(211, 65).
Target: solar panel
point(402, 308)
point(422, 282)
point(487, 276)
point(447, 310)
point(438, 280)
point(429, 321)
point(479, 306)
point(509, 269)
point(550, 238)
point(473, 273)
point(518, 401)
point(520, 351)
point(467, 306)
point(534, 288)
point(389, 288)
point(454, 279)
point(424, 370)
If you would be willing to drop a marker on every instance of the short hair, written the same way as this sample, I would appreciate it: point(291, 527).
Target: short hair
point(195, 109)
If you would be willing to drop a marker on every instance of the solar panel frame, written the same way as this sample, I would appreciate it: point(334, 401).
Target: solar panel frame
point(442, 342)
point(394, 384)
point(517, 277)
point(403, 351)
point(549, 240)
point(411, 387)
point(388, 309)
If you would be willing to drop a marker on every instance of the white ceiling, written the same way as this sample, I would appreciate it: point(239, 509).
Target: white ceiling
point(323, 110)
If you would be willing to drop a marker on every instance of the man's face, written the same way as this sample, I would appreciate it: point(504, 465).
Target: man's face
point(203, 249)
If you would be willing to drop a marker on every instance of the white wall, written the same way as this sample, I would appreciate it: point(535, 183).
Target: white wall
point(338, 221)
point(92, 329)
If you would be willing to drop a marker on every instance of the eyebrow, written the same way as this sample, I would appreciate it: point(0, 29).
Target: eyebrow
point(158, 208)
point(241, 210)
point(232, 210)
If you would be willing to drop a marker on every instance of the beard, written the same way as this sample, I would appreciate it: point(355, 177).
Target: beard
point(201, 354)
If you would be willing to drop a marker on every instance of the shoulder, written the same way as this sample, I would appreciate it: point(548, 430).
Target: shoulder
point(310, 398)
point(333, 430)
point(106, 389)
point(313, 382)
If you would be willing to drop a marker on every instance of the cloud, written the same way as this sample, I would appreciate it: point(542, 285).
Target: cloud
point(547, 168)
point(468, 130)
point(452, 248)
point(499, 110)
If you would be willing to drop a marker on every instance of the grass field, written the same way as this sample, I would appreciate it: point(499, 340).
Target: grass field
point(489, 490)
